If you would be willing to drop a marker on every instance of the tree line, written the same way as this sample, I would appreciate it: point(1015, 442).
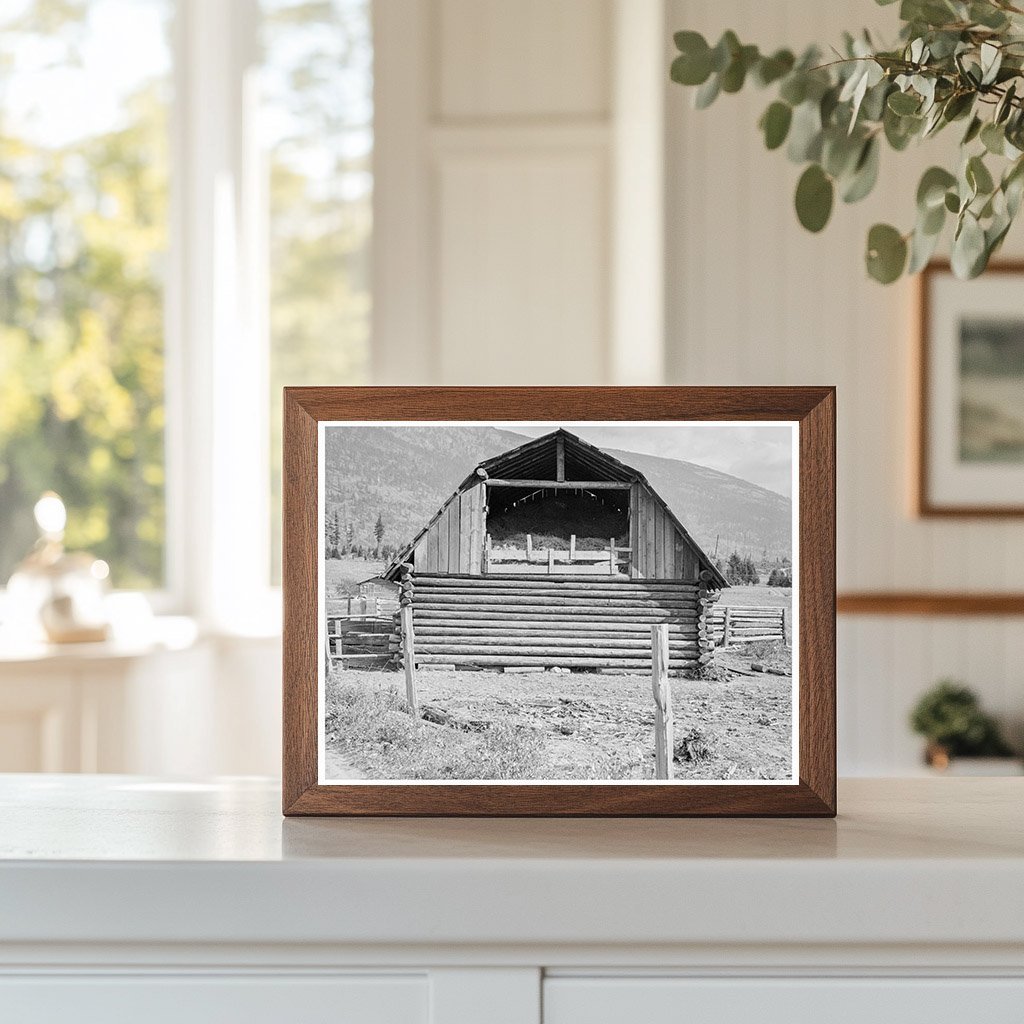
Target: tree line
point(340, 540)
point(742, 570)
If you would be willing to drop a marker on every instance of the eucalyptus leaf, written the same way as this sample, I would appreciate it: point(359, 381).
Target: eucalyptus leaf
point(922, 248)
point(987, 15)
point(724, 51)
point(968, 247)
point(1005, 104)
point(931, 190)
point(794, 88)
point(904, 103)
point(735, 74)
point(886, 253)
point(993, 138)
point(707, 93)
point(805, 133)
point(771, 69)
point(991, 61)
point(973, 130)
point(932, 221)
point(978, 176)
point(814, 195)
point(865, 173)
point(775, 124)
point(840, 152)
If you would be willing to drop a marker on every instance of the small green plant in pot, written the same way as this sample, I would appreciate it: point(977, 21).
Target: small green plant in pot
point(950, 717)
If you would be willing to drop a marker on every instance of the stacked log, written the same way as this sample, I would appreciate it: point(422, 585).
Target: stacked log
point(405, 594)
point(556, 621)
point(706, 599)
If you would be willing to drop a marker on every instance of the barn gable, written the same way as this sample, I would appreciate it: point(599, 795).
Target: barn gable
point(559, 464)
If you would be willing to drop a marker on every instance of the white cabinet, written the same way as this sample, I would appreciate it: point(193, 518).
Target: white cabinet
point(132, 899)
point(829, 1000)
point(202, 999)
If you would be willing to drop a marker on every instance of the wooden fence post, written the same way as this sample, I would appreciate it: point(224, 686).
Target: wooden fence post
point(551, 560)
point(785, 636)
point(529, 547)
point(664, 730)
point(572, 547)
point(487, 553)
point(409, 660)
point(611, 557)
point(725, 628)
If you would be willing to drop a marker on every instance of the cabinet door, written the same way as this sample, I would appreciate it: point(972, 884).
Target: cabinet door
point(625, 1000)
point(205, 999)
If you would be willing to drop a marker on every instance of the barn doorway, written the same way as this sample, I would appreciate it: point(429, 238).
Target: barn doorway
point(564, 530)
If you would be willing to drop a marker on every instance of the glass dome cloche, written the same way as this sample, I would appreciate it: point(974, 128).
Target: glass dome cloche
point(57, 595)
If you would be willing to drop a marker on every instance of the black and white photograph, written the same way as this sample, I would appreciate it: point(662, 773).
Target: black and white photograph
point(558, 602)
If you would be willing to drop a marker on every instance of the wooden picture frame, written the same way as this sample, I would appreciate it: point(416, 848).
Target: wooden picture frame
point(812, 789)
point(926, 502)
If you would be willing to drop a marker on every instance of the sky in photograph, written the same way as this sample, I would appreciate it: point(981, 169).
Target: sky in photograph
point(761, 454)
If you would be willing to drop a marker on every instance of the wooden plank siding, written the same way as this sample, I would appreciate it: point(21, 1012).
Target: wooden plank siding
point(649, 515)
point(476, 529)
point(454, 518)
point(454, 541)
point(442, 539)
point(465, 514)
point(634, 534)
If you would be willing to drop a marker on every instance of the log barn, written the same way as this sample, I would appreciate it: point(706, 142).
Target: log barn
point(556, 555)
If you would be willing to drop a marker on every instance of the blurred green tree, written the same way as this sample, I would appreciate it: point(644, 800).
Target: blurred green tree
point(82, 232)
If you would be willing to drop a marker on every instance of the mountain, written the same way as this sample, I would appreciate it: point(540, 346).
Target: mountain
point(405, 473)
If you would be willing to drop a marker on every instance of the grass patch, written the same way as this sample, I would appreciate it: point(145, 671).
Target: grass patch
point(373, 728)
point(770, 654)
point(692, 745)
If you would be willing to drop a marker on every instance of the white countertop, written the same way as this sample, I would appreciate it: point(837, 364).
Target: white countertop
point(122, 859)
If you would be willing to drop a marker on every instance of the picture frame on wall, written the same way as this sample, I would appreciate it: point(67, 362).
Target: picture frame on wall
point(970, 417)
point(559, 601)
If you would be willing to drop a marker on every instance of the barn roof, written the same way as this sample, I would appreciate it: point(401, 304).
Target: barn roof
point(536, 460)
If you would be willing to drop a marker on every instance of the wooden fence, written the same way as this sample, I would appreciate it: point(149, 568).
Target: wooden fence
point(746, 624)
point(362, 641)
point(354, 606)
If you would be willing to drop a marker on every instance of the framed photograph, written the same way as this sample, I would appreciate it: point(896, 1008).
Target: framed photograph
point(970, 449)
point(559, 601)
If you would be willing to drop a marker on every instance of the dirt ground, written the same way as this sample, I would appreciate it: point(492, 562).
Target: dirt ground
point(597, 725)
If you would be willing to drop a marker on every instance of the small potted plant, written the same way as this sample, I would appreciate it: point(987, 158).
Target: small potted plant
point(950, 718)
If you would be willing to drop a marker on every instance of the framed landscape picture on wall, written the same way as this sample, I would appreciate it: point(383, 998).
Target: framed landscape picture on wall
point(559, 601)
point(970, 451)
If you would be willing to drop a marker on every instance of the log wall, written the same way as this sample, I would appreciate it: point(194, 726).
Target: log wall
point(509, 621)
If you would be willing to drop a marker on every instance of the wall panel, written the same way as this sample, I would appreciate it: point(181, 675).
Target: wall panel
point(531, 58)
point(521, 276)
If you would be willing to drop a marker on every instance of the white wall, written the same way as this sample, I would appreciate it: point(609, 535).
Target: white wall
point(754, 299)
point(501, 152)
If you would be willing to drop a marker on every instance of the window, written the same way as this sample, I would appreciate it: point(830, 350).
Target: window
point(317, 116)
point(236, 212)
point(83, 236)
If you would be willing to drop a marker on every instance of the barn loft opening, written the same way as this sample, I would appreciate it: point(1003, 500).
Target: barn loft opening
point(551, 517)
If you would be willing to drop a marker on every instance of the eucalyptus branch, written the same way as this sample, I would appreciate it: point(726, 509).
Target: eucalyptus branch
point(955, 59)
